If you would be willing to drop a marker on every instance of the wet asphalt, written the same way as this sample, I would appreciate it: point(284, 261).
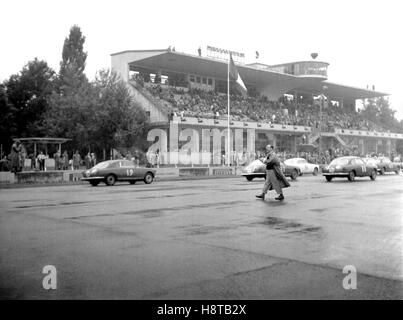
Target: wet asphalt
point(204, 239)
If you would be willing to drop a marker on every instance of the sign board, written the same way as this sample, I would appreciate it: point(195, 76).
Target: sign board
point(223, 54)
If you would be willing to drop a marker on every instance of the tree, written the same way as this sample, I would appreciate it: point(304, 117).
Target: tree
point(100, 115)
point(8, 126)
point(123, 122)
point(378, 110)
point(71, 115)
point(71, 74)
point(24, 101)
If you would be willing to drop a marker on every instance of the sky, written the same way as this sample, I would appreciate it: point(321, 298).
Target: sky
point(360, 39)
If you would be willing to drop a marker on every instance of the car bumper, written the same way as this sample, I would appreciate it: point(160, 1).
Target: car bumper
point(335, 174)
point(92, 178)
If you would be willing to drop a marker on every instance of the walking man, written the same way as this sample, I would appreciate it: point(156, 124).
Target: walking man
point(275, 179)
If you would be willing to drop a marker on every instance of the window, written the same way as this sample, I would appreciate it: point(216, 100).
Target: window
point(126, 163)
point(204, 80)
point(198, 79)
point(192, 78)
point(114, 165)
point(210, 82)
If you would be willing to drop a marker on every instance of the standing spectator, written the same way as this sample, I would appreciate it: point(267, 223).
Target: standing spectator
point(87, 161)
point(4, 164)
point(76, 160)
point(15, 156)
point(93, 159)
point(65, 160)
point(56, 157)
point(33, 161)
point(41, 161)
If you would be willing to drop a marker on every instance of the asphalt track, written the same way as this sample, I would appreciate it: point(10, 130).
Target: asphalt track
point(204, 239)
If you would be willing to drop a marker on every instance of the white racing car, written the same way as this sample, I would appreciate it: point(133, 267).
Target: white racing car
point(303, 165)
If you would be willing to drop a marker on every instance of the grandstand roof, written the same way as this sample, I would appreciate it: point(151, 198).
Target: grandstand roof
point(172, 61)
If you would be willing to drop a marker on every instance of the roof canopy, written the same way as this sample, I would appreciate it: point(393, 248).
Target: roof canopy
point(176, 62)
point(43, 140)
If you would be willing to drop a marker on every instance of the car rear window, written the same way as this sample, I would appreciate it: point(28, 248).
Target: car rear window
point(340, 161)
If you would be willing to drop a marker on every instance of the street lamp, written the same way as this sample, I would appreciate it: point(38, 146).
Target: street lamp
point(322, 105)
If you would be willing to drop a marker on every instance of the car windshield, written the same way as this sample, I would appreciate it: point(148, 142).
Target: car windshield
point(340, 161)
point(102, 165)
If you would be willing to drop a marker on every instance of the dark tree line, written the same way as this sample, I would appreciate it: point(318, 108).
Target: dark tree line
point(96, 115)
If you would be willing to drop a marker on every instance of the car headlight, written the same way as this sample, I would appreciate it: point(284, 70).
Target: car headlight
point(338, 167)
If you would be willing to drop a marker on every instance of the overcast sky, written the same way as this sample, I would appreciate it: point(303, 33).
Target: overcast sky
point(360, 39)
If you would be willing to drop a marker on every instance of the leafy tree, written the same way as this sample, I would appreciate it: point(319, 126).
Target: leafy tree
point(71, 74)
point(378, 110)
point(100, 115)
point(121, 122)
point(8, 126)
point(24, 101)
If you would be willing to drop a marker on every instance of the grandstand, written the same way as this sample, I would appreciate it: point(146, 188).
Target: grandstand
point(287, 105)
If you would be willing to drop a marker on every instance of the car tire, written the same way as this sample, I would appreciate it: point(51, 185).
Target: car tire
point(397, 171)
point(94, 183)
point(148, 178)
point(132, 182)
point(328, 179)
point(351, 176)
point(315, 171)
point(373, 175)
point(294, 175)
point(110, 180)
point(249, 178)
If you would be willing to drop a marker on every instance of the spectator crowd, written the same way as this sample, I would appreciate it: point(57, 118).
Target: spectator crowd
point(210, 104)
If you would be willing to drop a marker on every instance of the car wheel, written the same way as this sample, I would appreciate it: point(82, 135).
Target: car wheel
point(110, 180)
point(294, 175)
point(132, 182)
point(373, 175)
point(351, 176)
point(328, 179)
point(397, 171)
point(382, 171)
point(94, 183)
point(249, 178)
point(315, 171)
point(148, 178)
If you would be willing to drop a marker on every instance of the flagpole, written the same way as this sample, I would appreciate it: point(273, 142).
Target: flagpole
point(228, 142)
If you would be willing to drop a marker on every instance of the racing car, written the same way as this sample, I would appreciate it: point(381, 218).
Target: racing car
point(117, 170)
point(257, 169)
point(349, 167)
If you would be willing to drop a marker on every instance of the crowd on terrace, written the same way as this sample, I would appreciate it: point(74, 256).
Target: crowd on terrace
point(200, 103)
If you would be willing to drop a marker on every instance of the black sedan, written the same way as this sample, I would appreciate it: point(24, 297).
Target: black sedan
point(349, 167)
point(257, 169)
point(117, 170)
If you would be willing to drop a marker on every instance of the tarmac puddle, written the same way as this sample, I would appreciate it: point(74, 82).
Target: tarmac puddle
point(52, 204)
point(288, 225)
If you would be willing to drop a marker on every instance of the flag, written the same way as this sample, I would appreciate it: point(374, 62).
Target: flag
point(234, 75)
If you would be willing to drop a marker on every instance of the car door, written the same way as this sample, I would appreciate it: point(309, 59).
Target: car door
point(128, 170)
point(361, 167)
point(303, 165)
point(388, 164)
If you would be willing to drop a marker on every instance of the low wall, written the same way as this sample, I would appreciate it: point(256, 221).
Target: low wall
point(55, 176)
point(191, 172)
point(39, 177)
point(7, 177)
